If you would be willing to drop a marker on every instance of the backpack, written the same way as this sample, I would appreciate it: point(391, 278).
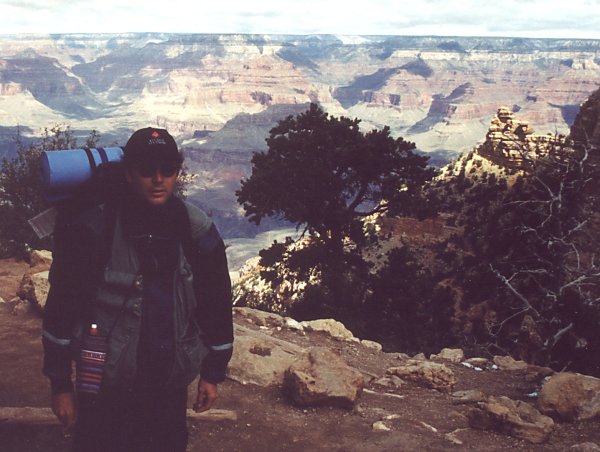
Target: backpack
point(75, 180)
point(104, 187)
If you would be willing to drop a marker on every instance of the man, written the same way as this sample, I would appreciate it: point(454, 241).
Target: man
point(149, 272)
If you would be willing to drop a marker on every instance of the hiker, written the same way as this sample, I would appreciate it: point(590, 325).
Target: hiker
point(140, 298)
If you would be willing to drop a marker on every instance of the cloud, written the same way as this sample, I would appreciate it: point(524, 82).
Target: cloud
point(550, 18)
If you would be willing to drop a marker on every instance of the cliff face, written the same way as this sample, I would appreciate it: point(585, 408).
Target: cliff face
point(586, 127)
point(221, 94)
point(439, 92)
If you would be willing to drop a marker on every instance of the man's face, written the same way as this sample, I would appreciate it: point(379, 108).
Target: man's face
point(153, 183)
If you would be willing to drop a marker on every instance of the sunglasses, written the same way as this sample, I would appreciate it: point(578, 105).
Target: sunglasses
point(149, 168)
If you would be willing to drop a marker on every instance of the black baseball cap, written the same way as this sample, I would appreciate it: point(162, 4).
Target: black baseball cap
point(151, 145)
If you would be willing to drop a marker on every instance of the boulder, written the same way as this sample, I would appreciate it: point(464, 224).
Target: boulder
point(40, 261)
point(509, 363)
point(454, 355)
point(514, 418)
point(332, 327)
point(467, 397)
point(571, 397)
point(321, 377)
point(34, 288)
point(482, 363)
point(426, 373)
point(372, 345)
point(391, 381)
point(260, 359)
point(293, 324)
point(381, 426)
point(260, 318)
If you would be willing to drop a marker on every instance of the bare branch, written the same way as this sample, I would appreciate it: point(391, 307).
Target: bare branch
point(520, 296)
point(550, 343)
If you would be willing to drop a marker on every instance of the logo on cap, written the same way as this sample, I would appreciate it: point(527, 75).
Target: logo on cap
point(155, 134)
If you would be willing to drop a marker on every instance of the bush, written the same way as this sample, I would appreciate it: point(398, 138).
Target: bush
point(21, 194)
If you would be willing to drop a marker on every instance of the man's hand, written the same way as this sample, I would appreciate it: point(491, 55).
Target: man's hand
point(207, 394)
point(63, 406)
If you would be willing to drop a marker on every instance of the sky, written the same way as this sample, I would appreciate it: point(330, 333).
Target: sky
point(513, 18)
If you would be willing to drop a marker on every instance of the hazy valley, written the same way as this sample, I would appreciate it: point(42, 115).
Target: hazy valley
point(220, 94)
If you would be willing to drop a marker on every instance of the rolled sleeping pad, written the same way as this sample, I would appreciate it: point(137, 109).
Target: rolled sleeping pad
point(64, 171)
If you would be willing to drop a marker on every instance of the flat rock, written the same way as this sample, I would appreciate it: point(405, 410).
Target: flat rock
point(514, 418)
point(571, 397)
point(482, 363)
point(259, 358)
point(332, 327)
point(454, 355)
point(260, 318)
point(321, 377)
point(509, 363)
point(391, 381)
point(467, 397)
point(426, 373)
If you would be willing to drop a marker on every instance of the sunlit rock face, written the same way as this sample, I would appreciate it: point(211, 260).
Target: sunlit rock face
point(440, 92)
point(219, 95)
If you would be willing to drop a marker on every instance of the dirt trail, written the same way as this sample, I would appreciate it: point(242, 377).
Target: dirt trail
point(267, 421)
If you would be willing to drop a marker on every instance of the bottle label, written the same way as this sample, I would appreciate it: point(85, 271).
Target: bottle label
point(90, 365)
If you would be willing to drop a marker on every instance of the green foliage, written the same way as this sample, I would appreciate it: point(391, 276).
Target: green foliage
point(20, 190)
point(323, 172)
point(519, 276)
point(406, 309)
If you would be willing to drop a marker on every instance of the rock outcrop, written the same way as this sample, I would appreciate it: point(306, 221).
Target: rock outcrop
point(205, 80)
point(586, 128)
point(510, 142)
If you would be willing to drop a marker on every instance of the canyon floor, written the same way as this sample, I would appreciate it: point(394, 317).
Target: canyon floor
point(266, 419)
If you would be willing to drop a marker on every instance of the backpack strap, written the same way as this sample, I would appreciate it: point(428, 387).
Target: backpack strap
point(110, 210)
point(199, 235)
point(91, 159)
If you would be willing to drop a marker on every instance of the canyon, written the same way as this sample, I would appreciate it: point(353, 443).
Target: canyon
point(219, 95)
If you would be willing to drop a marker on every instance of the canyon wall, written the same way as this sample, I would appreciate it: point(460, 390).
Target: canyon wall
point(439, 92)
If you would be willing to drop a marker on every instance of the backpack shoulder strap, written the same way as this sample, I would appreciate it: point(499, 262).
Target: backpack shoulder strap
point(101, 220)
point(197, 232)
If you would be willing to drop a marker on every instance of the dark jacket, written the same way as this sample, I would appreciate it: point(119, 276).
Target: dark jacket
point(83, 250)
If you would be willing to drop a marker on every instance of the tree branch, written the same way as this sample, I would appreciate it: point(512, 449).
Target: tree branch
point(507, 283)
